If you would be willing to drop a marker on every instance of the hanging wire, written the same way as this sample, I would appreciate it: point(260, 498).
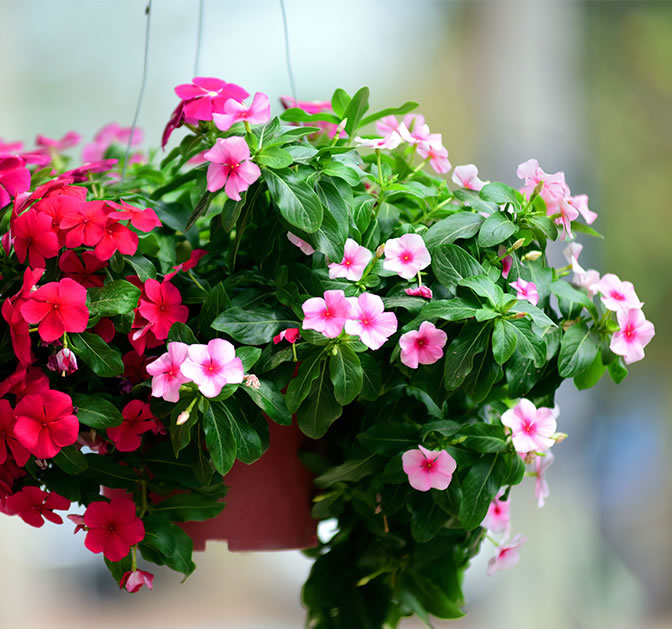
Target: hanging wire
point(148, 13)
point(199, 37)
point(289, 59)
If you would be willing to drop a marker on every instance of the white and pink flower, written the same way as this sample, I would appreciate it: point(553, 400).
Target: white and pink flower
point(212, 366)
point(304, 246)
point(526, 290)
point(423, 346)
point(369, 322)
point(428, 469)
point(406, 255)
point(466, 176)
point(541, 464)
point(497, 519)
point(507, 555)
point(355, 260)
point(531, 428)
point(326, 314)
point(634, 335)
point(167, 375)
point(616, 294)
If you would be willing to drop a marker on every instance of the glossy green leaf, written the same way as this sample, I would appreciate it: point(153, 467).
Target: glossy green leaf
point(297, 202)
point(456, 226)
point(495, 230)
point(96, 412)
point(101, 358)
point(451, 264)
point(578, 348)
point(116, 297)
point(346, 374)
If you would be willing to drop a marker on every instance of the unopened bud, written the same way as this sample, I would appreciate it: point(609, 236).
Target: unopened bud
point(532, 256)
point(251, 381)
point(41, 463)
point(518, 244)
point(380, 252)
point(537, 189)
point(559, 437)
point(182, 417)
point(341, 126)
point(529, 458)
point(520, 315)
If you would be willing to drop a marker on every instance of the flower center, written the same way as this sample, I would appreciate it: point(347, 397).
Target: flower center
point(406, 257)
point(614, 294)
point(326, 314)
point(528, 427)
point(629, 332)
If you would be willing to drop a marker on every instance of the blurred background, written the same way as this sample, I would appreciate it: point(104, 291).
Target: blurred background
point(584, 87)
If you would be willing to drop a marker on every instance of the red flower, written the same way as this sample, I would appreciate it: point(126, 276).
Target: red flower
point(113, 527)
point(23, 381)
point(45, 423)
point(105, 329)
point(162, 307)
point(144, 220)
point(86, 224)
point(138, 418)
point(14, 178)
point(82, 271)
point(34, 235)
point(32, 504)
point(116, 237)
point(133, 581)
point(134, 367)
point(58, 307)
point(8, 438)
point(195, 256)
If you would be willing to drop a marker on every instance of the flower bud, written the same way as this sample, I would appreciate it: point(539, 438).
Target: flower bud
point(559, 437)
point(532, 255)
point(341, 127)
point(64, 361)
point(380, 252)
point(251, 381)
point(182, 417)
point(518, 244)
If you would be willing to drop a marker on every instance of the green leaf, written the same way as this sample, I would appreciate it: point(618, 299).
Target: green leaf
point(389, 438)
point(248, 356)
point(460, 354)
point(71, 460)
point(143, 267)
point(390, 111)
point(274, 157)
point(172, 544)
point(271, 401)
point(355, 110)
point(346, 374)
point(591, 376)
point(216, 301)
point(297, 202)
point(350, 471)
point(339, 102)
point(445, 427)
point(248, 443)
point(451, 264)
point(584, 229)
point(571, 295)
point(578, 348)
point(485, 373)
point(484, 437)
point(219, 439)
point(479, 487)
point(102, 359)
point(96, 412)
point(320, 409)
point(617, 370)
point(452, 228)
point(528, 344)
point(189, 508)
point(538, 316)
point(499, 193)
point(504, 340)
point(251, 326)
point(116, 297)
point(427, 518)
point(298, 388)
point(372, 379)
point(342, 171)
point(543, 225)
point(200, 209)
point(181, 333)
point(454, 309)
point(496, 229)
point(103, 471)
point(298, 115)
point(483, 286)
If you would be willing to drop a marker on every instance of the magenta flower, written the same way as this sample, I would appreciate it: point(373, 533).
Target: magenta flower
point(497, 519)
point(406, 255)
point(541, 464)
point(326, 315)
point(355, 260)
point(259, 112)
point(507, 261)
point(419, 291)
point(531, 428)
point(437, 155)
point(617, 295)
point(369, 322)
point(424, 346)
point(301, 244)
point(507, 556)
point(467, 177)
point(206, 95)
point(526, 290)
point(168, 378)
point(633, 336)
point(290, 335)
point(14, 178)
point(212, 366)
point(428, 469)
point(231, 167)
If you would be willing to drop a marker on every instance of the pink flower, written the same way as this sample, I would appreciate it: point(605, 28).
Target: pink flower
point(259, 112)
point(389, 142)
point(206, 95)
point(420, 291)
point(8, 440)
point(428, 469)
point(553, 190)
point(326, 315)
point(290, 335)
point(212, 366)
point(406, 255)
point(138, 419)
point(507, 556)
point(497, 519)
point(231, 167)
point(437, 155)
point(587, 279)
point(633, 336)
point(133, 581)
point(507, 261)
point(71, 138)
point(414, 130)
point(467, 177)
point(572, 252)
point(355, 260)
point(424, 346)
point(580, 203)
point(34, 237)
point(78, 521)
point(85, 222)
point(187, 265)
point(541, 464)
point(387, 125)
point(568, 213)
point(315, 107)
point(64, 361)
point(108, 135)
point(369, 322)
point(144, 220)
point(168, 378)
point(14, 178)
point(301, 244)
point(617, 295)
point(526, 290)
point(531, 428)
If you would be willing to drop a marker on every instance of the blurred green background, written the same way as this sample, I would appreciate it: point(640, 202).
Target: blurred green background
point(584, 87)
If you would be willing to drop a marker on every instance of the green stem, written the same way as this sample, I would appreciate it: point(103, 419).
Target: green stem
point(134, 559)
point(294, 356)
point(191, 275)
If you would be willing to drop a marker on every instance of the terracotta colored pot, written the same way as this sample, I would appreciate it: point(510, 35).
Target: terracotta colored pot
point(268, 503)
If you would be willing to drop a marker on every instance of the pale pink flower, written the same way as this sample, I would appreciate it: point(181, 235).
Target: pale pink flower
point(633, 336)
point(420, 291)
point(580, 203)
point(424, 346)
point(301, 244)
point(212, 366)
point(437, 155)
point(568, 213)
point(168, 378)
point(467, 177)
point(369, 322)
point(406, 255)
point(355, 260)
point(587, 279)
point(389, 142)
point(507, 262)
point(428, 469)
point(507, 556)
point(387, 125)
point(617, 295)
point(541, 464)
point(526, 290)
point(231, 167)
point(531, 428)
point(572, 252)
point(259, 112)
point(554, 189)
point(415, 130)
point(251, 381)
point(497, 519)
point(326, 315)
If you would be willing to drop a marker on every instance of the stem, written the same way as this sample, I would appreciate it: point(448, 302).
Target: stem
point(143, 493)
point(419, 279)
point(248, 128)
point(294, 356)
point(380, 172)
point(134, 559)
point(492, 540)
point(65, 340)
point(420, 166)
point(191, 275)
